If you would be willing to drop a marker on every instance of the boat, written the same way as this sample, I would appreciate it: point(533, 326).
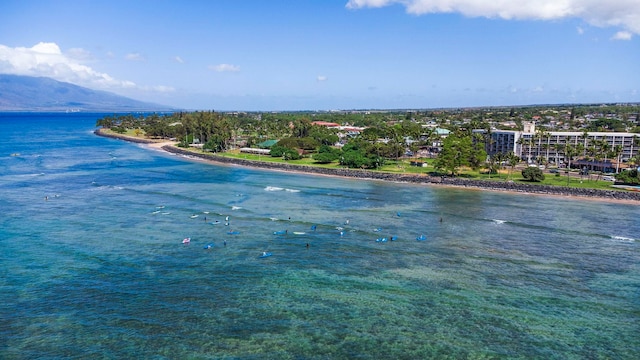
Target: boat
point(186, 240)
point(281, 232)
point(421, 238)
point(265, 254)
point(233, 232)
point(299, 233)
point(208, 246)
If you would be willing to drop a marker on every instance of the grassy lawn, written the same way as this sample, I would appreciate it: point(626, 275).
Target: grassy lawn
point(549, 179)
point(138, 133)
point(404, 167)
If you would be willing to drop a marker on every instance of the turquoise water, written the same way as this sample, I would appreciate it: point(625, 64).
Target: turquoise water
point(92, 263)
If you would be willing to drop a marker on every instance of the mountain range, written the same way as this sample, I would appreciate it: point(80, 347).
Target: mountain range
point(27, 93)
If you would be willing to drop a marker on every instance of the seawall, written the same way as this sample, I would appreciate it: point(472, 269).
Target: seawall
point(424, 179)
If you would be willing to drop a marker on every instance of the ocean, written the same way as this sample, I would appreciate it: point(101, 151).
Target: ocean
point(93, 264)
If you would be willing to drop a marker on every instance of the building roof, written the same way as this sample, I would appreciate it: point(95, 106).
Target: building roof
point(325, 123)
point(267, 143)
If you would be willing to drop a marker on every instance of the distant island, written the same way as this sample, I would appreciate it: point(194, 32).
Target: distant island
point(40, 94)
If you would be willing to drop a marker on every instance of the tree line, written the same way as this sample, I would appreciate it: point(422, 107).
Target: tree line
point(387, 137)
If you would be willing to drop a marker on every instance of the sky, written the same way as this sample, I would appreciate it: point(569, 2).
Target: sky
point(283, 55)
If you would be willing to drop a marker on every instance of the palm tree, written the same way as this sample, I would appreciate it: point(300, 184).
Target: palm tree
point(539, 135)
point(559, 148)
point(617, 152)
point(634, 142)
point(605, 149)
point(522, 142)
point(513, 160)
point(570, 152)
point(500, 158)
point(546, 146)
point(584, 137)
point(634, 160)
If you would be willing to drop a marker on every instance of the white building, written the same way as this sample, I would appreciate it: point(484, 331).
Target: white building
point(551, 146)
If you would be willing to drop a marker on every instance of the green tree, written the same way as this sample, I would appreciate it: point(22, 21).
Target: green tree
point(477, 154)
point(354, 156)
point(323, 135)
point(326, 154)
point(513, 160)
point(277, 150)
point(455, 153)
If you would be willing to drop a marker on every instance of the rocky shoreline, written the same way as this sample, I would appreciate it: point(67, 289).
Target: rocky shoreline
point(421, 179)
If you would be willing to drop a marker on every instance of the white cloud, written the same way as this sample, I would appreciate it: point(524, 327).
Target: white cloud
point(134, 57)
point(225, 68)
point(580, 30)
point(178, 59)
point(622, 35)
point(322, 78)
point(615, 13)
point(47, 60)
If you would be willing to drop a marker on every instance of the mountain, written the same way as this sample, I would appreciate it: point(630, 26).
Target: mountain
point(27, 93)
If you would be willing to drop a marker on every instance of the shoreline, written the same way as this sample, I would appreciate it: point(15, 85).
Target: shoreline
point(513, 187)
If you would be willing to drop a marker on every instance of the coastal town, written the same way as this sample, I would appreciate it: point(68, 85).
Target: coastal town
point(591, 146)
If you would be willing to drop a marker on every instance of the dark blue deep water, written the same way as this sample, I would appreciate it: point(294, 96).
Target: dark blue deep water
point(92, 264)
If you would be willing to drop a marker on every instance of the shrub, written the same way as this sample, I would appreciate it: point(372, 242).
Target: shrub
point(532, 173)
point(631, 177)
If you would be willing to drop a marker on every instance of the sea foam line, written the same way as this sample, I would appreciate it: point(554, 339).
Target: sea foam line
point(623, 238)
point(276, 188)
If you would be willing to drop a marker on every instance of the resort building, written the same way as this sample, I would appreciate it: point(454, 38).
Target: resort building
point(597, 150)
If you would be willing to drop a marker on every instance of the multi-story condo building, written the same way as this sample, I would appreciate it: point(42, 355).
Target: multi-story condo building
point(600, 150)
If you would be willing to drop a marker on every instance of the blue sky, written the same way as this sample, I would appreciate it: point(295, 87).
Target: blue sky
point(331, 54)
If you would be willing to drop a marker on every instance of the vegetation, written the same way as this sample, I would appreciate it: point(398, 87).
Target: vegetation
point(533, 174)
point(630, 177)
point(394, 141)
